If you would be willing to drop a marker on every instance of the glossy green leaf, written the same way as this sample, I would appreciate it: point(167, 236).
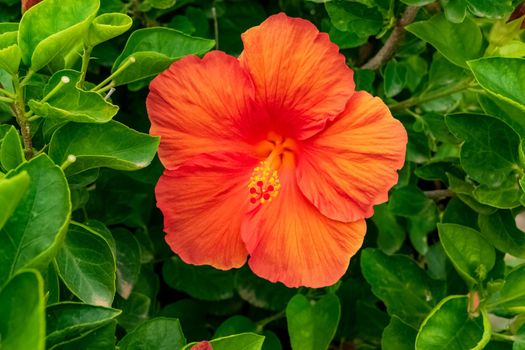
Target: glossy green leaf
point(417, 2)
point(201, 282)
point(101, 338)
point(490, 152)
point(391, 234)
point(154, 49)
point(407, 291)
point(87, 266)
point(500, 230)
point(450, 323)
point(458, 42)
point(244, 341)
point(260, 292)
point(395, 78)
point(71, 103)
point(455, 10)
point(107, 26)
point(53, 28)
point(66, 321)
point(156, 334)
point(354, 17)
point(128, 261)
point(31, 236)
point(10, 54)
point(472, 256)
point(312, 325)
point(503, 77)
point(22, 324)
point(12, 191)
point(489, 8)
point(398, 335)
point(11, 151)
point(135, 310)
point(510, 299)
point(111, 145)
point(235, 325)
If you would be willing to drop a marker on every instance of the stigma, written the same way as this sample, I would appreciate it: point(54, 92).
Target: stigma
point(264, 183)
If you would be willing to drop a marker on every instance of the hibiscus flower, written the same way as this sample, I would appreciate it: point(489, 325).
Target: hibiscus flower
point(272, 157)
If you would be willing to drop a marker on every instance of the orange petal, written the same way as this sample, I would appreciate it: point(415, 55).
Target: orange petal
point(299, 75)
point(291, 242)
point(203, 202)
point(350, 166)
point(196, 106)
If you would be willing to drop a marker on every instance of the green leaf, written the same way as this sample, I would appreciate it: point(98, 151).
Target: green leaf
point(502, 77)
point(107, 26)
point(490, 152)
point(455, 10)
point(244, 341)
point(398, 335)
point(489, 8)
point(235, 325)
point(409, 201)
point(87, 266)
point(472, 256)
point(33, 233)
point(395, 78)
point(417, 2)
point(407, 291)
point(11, 151)
point(101, 338)
point(260, 292)
point(391, 234)
point(11, 192)
point(353, 17)
point(128, 261)
point(10, 54)
point(135, 310)
point(201, 282)
point(500, 230)
point(312, 325)
point(450, 323)
point(156, 334)
point(510, 299)
point(154, 49)
point(53, 28)
point(66, 321)
point(458, 42)
point(71, 103)
point(111, 145)
point(22, 325)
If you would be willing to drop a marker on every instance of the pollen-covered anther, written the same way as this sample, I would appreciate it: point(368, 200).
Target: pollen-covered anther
point(264, 184)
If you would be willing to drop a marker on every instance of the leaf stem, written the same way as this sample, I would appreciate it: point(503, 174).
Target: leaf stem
point(119, 70)
point(69, 160)
point(86, 56)
point(215, 25)
point(19, 110)
point(27, 77)
point(262, 323)
point(7, 93)
point(6, 99)
point(505, 337)
point(417, 100)
point(63, 81)
point(438, 195)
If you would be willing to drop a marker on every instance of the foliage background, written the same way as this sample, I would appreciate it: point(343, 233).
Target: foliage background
point(83, 263)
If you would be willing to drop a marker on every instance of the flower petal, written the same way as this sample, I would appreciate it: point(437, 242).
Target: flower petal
point(300, 77)
point(291, 242)
point(203, 203)
point(200, 106)
point(350, 166)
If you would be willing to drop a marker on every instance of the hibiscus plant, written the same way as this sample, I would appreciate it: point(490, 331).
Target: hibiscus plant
point(249, 174)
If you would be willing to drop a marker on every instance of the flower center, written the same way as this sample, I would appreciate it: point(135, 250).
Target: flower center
point(264, 183)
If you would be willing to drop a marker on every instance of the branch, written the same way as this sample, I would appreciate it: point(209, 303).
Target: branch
point(392, 42)
point(437, 195)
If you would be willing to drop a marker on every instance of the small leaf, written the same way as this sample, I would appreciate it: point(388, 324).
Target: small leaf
point(244, 341)
point(101, 338)
point(22, 325)
point(107, 26)
point(116, 146)
point(201, 282)
point(66, 321)
point(10, 54)
point(398, 335)
point(455, 10)
point(391, 234)
point(71, 103)
point(156, 334)
point(500, 230)
point(457, 42)
point(395, 78)
point(510, 299)
point(87, 266)
point(11, 151)
point(355, 18)
point(472, 256)
point(128, 261)
point(502, 77)
point(489, 8)
point(154, 49)
point(450, 323)
point(32, 234)
point(53, 28)
point(312, 325)
point(235, 325)
point(11, 192)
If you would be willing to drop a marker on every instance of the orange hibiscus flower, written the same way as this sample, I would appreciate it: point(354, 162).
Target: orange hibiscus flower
point(272, 155)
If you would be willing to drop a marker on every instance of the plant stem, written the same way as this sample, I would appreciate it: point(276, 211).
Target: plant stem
point(6, 99)
point(505, 337)
point(19, 110)
point(7, 93)
point(26, 78)
point(119, 70)
point(262, 323)
point(437, 195)
point(64, 80)
point(215, 25)
point(393, 40)
point(416, 100)
point(85, 63)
